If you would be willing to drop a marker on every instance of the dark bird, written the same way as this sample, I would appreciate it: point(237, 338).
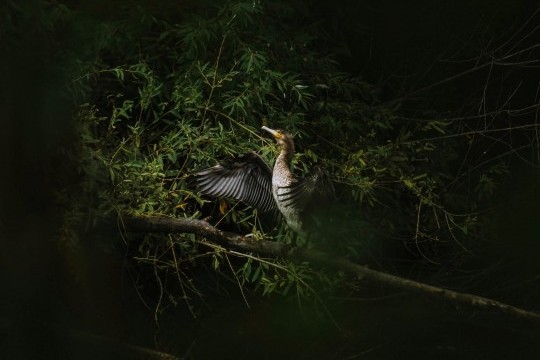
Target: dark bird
point(249, 179)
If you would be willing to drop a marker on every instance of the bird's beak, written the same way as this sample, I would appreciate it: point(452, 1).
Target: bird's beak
point(274, 133)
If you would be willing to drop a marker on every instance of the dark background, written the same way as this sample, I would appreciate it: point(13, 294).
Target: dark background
point(42, 305)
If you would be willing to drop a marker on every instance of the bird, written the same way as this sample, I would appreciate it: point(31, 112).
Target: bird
point(248, 178)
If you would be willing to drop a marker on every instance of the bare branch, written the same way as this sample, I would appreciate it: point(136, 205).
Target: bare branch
point(318, 258)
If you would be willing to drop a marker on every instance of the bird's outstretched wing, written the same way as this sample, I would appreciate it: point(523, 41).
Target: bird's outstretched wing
point(315, 189)
point(246, 178)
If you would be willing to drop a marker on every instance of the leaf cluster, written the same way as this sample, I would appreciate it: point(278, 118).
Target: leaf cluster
point(197, 90)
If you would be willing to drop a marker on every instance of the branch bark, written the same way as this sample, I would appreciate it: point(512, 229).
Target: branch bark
point(316, 257)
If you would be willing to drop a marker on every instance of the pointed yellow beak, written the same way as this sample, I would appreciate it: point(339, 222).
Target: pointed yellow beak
point(274, 133)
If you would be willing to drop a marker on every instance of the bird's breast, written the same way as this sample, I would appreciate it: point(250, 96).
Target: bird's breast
point(293, 216)
point(282, 180)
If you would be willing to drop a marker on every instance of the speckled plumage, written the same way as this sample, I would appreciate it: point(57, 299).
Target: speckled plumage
point(249, 179)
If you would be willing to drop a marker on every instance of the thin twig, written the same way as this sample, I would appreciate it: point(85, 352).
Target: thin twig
point(319, 258)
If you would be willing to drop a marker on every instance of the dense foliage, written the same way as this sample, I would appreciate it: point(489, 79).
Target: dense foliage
point(165, 95)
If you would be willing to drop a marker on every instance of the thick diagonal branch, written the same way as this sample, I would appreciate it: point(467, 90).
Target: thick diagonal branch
point(316, 257)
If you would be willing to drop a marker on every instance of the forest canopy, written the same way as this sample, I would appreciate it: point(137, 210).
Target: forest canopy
point(423, 144)
point(167, 96)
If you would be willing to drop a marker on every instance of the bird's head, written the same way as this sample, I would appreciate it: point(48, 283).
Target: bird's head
point(283, 138)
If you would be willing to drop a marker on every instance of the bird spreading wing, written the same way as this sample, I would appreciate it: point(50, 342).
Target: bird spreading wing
point(246, 178)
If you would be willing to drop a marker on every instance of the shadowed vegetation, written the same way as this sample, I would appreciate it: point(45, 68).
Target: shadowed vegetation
point(423, 153)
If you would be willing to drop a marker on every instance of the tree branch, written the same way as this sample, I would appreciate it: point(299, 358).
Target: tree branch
point(316, 257)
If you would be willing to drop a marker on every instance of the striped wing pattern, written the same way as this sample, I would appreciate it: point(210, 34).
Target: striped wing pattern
point(247, 178)
point(316, 187)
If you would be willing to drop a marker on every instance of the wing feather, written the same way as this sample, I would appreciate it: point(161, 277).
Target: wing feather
point(315, 189)
point(247, 178)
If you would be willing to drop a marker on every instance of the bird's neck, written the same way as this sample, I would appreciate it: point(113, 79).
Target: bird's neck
point(287, 153)
point(282, 167)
